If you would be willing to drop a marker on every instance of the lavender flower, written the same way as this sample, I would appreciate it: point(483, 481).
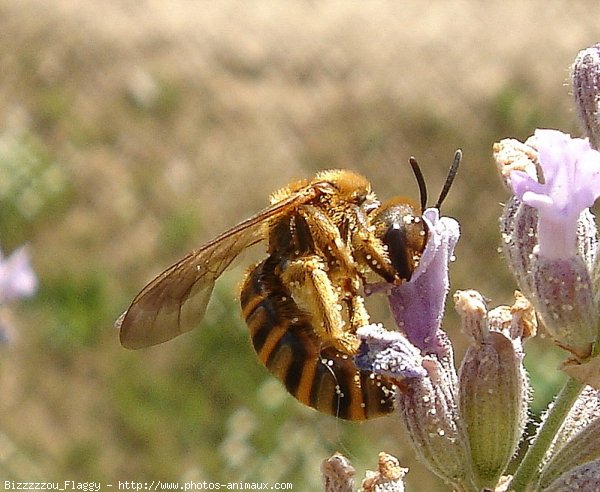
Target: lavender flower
point(549, 236)
point(17, 280)
point(418, 305)
point(420, 357)
point(388, 353)
point(571, 172)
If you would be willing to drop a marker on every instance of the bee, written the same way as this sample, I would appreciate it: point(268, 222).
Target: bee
point(302, 303)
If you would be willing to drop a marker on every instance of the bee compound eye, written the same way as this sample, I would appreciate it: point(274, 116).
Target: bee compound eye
point(396, 241)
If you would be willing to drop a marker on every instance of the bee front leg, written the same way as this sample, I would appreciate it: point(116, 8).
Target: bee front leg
point(327, 239)
point(308, 278)
point(369, 249)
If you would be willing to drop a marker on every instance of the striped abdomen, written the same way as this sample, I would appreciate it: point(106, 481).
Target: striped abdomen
point(286, 343)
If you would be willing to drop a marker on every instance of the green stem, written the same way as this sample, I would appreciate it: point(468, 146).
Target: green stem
point(529, 468)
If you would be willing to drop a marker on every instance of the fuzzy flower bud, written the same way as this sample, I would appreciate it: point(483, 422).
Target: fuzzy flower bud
point(388, 353)
point(426, 398)
point(570, 448)
point(428, 407)
point(585, 79)
point(518, 227)
point(584, 478)
point(582, 448)
point(493, 386)
point(585, 410)
point(389, 476)
point(566, 302)
point(338, 474)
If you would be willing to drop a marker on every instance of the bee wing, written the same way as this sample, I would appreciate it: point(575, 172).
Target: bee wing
point(175, 301)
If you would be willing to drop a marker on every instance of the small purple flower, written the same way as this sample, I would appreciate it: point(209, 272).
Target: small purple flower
point(17, 278)
point(418, 305)
point(388, 353)
point(571, 175)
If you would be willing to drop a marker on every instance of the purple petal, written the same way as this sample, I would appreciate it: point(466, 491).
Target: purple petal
point(571, 174)
point(418, 305)
point(388, 353)
point(17, 278)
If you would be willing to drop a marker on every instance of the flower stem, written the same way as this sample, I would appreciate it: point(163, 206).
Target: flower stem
point(529, 468)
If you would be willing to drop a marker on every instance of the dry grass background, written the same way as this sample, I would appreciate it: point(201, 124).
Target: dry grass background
point(131, 132)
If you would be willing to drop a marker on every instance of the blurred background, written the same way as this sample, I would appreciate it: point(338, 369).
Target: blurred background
point(134, 131)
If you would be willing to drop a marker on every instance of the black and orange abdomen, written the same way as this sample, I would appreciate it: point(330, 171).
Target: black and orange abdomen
point(321, 377)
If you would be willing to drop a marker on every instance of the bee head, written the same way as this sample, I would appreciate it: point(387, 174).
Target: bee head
point(403, 231)
point(400, 226)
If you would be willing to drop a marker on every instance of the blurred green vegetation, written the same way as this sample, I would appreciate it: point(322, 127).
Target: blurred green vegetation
point(131, 134)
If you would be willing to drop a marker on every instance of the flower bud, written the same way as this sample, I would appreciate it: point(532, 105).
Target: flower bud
point(493, 398)
point(428, 407)
point(389, 476)
point(388, 353)
point(584, 478)
point(493, 386)
point(584, 411)
point(585, 78)
point(518, 227)
point(582, 448)
point(564, 300)
point(518, 222)
point(338, 474)
point(587, 238)
point(471, 308)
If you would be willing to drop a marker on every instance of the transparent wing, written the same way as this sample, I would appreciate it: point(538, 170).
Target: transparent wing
point(175, 301)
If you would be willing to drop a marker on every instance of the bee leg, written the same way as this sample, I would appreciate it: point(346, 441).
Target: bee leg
point(369, 250)
point(359, 315)
point(325, 300)
point(355, 303)
point(327, 238)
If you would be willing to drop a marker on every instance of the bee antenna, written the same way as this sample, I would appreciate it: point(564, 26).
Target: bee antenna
point(420, 182)
point(450, 178)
